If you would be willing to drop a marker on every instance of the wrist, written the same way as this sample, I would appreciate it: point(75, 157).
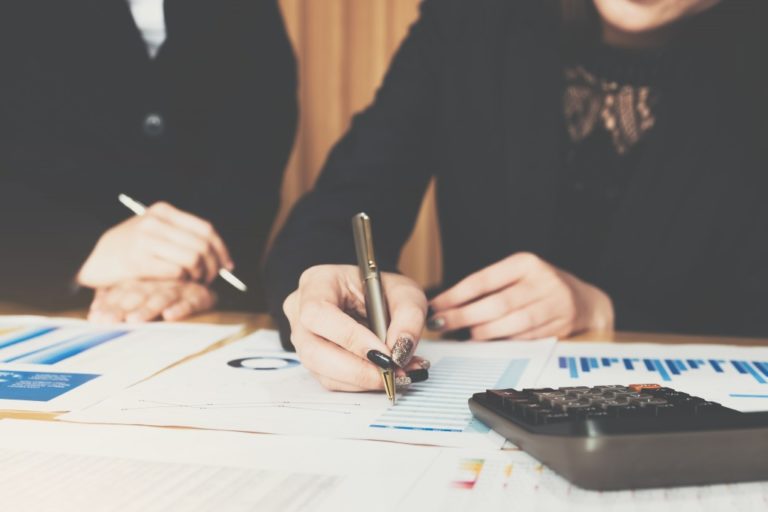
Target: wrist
point(594, 308)
point(599, 311)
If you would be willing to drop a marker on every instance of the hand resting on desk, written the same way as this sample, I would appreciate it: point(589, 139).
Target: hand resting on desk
point(144, 301)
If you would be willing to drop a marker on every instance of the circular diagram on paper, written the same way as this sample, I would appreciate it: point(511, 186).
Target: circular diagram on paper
point(263, 363)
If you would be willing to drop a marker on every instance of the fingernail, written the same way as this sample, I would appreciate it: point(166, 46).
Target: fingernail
point(402, 350)
point(418, 375)
point(403, 381)
point(430, 312)
point(380, 359)
point(435, 323)
point(425, 364)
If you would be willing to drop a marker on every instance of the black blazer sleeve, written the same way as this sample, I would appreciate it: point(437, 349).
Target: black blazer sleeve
point(381, 166)
point(40, 251)
point(251, 140)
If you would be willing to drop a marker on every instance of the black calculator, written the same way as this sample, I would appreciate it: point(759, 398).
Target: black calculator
point(629, 437)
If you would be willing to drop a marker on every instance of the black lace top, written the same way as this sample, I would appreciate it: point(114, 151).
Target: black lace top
point(610, 104)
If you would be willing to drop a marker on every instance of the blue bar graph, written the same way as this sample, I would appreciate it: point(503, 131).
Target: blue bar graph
point(666, 369)
point(672, 365)
point(572, 368)
point(716, 365)
point(26, 336)
point(662, 371)
point(739, 368)
point(748, 367)
point(65, 349)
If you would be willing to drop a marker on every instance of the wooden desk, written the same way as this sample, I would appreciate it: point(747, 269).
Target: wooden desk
point(263, 321)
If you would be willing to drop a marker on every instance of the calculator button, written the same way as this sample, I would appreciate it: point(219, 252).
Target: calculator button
point(529, 411)
point(594, 412)
point(574, 407)
point(665, 410)
point(554, 417)
point(533, 391)
point(709, 408)
point(497, 396)
point(688, 403)
point(631, 411)
point(643, 387)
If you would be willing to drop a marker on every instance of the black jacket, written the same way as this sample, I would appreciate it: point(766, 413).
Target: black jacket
point(474, 99)
point(85, 114)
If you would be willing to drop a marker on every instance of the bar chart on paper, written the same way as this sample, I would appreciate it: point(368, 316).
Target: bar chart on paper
point(55, 364)
point(665, 369)
point(52, 344)
point(735, 376)
point(440, 403)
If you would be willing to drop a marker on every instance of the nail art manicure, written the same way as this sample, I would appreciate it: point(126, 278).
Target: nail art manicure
point(425, 364)
point(435, 323)
point(402, 351)
point(380, 359)
point(403, 381)
point(418, 375)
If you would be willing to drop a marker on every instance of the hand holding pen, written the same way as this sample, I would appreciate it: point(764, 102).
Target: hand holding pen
point(160, 242)
point(341, 352)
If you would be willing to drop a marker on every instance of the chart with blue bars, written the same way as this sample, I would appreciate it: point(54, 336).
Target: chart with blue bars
point(50, 345)
point(666, 369)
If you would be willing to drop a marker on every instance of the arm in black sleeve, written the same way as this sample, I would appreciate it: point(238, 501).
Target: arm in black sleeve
point(381, 166)
point(252, 127)
point(45, 233)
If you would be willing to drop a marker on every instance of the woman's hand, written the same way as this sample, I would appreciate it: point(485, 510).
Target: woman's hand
point(144, 301)
point(325, 314)
point(521, 297)
point(164, 243)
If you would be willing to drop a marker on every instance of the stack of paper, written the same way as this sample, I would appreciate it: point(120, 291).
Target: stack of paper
point(252, 385)
point(51, 364)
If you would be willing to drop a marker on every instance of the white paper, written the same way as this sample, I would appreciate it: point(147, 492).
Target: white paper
point(734, 376)
point(68, 467)
point(488, 481)
point(252, 385)
point(55, 364)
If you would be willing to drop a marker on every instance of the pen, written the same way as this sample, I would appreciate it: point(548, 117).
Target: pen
point(139, 209)
point(375, 302)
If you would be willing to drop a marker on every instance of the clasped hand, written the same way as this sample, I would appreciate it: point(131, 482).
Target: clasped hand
point(156, 265)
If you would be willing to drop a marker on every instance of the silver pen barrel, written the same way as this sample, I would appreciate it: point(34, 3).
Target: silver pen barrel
point(375, 301)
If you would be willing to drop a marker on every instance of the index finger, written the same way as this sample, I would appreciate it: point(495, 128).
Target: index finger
point(408, 311)
point(488, 280)
point(319, 313)
point(195, 225)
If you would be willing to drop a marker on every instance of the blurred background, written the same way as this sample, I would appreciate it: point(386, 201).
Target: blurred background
point(343, 48)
